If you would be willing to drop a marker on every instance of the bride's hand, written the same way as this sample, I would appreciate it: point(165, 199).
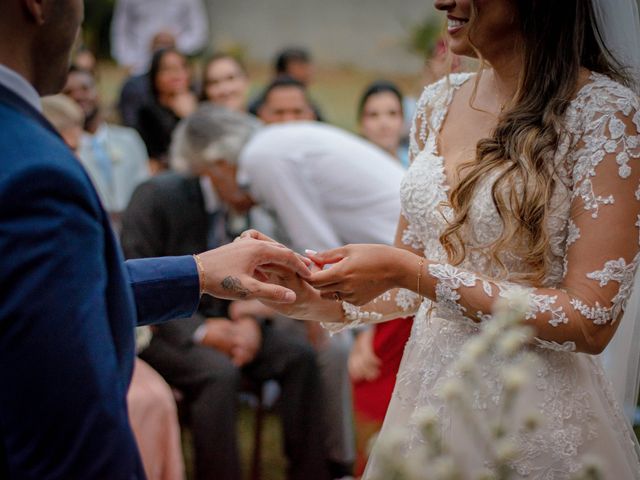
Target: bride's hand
point(358, 273)
point(309, 304)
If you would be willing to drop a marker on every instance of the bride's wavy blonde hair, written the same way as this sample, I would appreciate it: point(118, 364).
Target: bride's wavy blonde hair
point(558, 38)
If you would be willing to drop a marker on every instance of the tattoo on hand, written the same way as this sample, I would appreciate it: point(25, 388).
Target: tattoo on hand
point(233, 284)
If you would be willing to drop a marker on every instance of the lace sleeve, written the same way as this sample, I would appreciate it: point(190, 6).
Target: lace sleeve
point(398, 302)
point(602, 241)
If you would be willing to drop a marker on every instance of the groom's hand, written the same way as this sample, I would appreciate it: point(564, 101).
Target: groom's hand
point(255, 234)
point(233, 271)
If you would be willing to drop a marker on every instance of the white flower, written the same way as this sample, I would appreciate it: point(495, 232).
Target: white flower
point(485, 474)
point(514, 377)
point(592, 467)
point(466, 364)
point(492, 330)
point(445, 468)
point(532, 421)
point(392, 444)
point(506, 450)
point(426, 418)
point(512, 341)
point(413, 466)
point(515, 305)
point(475, 348)
point(453, 389)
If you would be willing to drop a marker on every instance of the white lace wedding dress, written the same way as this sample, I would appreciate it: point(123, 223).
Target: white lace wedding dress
point(592, 253)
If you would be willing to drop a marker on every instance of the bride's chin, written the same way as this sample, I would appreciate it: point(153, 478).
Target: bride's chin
point(462, 48)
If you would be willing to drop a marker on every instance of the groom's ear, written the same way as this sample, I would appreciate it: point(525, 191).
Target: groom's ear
point(36, 10)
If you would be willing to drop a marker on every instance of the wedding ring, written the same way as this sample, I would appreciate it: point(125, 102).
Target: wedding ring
point(337, 297)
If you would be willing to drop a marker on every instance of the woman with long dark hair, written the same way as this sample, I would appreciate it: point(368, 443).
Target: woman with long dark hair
point(381, 118)
point(525, 177)
point(172, 100)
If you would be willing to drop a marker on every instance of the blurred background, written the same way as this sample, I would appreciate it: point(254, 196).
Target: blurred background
point(352, 43)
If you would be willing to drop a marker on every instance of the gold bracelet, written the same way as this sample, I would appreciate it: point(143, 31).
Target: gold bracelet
point(420, 265)
point(201, 275)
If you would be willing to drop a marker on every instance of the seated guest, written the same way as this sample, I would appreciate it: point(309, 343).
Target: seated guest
point(381, 119)
point(295, 63)
point(324, 188)
point(66, 117)
point(84, 59)
point(285, 100)
point(115, 157)
point(206, 357)
point(136, 90)
point(172, 100)
point(225, 82)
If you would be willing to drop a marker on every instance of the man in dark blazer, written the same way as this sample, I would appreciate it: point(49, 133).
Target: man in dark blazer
point(68, 301)
point(206, 356)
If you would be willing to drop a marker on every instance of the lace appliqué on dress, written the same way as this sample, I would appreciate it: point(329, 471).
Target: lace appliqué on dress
point(403, 302)
point(449, 280)
point(559, 347)
point(617, 271)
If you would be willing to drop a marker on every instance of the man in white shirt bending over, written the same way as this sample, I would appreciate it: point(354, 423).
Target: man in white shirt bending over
point(322, 186)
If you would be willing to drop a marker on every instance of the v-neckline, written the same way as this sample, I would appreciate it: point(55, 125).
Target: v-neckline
point(434, 150)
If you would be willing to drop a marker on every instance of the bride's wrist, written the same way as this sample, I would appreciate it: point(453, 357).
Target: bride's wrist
point(410, 271)
point(326, 311)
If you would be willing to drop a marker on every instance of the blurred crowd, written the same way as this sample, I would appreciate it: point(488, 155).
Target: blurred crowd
point(193, 162)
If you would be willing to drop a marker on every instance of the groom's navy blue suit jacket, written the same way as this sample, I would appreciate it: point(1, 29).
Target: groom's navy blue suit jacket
point(68, 307)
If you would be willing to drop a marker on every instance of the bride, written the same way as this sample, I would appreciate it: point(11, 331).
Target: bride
point(524, 175)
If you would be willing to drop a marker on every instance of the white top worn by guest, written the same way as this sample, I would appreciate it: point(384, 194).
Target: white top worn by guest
point(117, 162)
point(326, 187)
point(136, 22)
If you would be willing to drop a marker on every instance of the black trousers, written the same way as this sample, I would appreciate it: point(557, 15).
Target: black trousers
point(210, 384)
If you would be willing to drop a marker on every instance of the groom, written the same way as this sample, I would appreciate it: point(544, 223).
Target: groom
point(69, 303)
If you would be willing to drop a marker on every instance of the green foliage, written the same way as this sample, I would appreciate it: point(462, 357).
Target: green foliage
point(97, 25)
point(424, 35)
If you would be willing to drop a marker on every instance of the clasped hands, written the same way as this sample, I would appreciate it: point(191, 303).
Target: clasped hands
point(307, 287)
point(239, 339)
